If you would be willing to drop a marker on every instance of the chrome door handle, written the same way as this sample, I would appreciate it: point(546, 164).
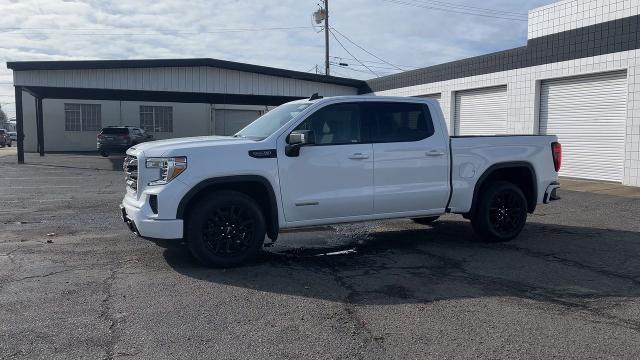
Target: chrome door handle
point(434, 152)
point(358, 156)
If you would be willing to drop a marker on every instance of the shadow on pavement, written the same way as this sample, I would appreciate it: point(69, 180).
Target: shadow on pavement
point(377, 265)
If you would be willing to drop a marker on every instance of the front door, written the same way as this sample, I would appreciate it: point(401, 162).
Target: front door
point(333, 178)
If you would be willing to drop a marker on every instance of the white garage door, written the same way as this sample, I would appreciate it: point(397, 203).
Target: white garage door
point(481, 111)
point(229, 122)
point(588, 114)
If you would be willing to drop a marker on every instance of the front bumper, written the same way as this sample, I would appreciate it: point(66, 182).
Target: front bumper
point(140, 222)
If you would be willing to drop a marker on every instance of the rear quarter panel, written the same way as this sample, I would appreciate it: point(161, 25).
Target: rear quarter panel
point(472, 156)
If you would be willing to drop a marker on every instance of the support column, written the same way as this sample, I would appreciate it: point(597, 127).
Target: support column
point(40, 125)
point(19, 124)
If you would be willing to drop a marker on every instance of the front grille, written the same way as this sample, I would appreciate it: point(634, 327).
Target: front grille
point(130, 167)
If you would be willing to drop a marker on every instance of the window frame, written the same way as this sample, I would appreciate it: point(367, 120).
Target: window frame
point(154, 110)
point(82, 111)
point(367, 138)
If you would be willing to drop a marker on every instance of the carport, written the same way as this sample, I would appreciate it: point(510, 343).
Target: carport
point(186, 81)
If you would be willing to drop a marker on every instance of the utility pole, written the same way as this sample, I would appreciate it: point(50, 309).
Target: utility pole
point(326, 37)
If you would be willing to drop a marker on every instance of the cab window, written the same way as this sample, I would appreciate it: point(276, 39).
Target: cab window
point(397, 122)
point(336, 124)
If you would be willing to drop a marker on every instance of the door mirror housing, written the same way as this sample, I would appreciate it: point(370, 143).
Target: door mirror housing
point(298, 139)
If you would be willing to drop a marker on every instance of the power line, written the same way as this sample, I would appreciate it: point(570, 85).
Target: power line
point(8, 31)
point(372, 62)
point(465, 7)
point(365, 50)
point(421, 5)
point(371, 66)
point(359, 70)
point(350, 54)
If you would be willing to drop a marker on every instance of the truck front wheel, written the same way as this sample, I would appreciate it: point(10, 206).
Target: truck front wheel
point(501, 212)
point(225, 228)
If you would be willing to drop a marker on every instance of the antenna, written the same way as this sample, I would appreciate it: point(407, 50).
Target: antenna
point(315, 96)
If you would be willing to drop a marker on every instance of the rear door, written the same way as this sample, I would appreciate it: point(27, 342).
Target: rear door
point(411, 168)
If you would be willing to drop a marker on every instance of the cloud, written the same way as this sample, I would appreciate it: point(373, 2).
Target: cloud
point(140, 29)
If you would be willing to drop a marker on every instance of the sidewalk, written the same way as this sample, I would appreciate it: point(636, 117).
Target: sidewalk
point(600, 187)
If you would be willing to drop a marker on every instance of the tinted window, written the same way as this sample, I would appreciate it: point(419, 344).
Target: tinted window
point(115, 131)
point(335, 124)
point(397, 122)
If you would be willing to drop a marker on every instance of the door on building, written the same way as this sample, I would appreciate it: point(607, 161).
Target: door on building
point(588, 114)
point(230, 121)
point(481, 111)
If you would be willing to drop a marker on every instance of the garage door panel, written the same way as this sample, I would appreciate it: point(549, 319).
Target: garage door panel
point(481, 111)
point(588, 114)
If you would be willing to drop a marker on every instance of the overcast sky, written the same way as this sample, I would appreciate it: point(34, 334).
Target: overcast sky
point(407, 33)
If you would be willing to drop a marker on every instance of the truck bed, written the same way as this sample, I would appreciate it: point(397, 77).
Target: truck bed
point(472, 156)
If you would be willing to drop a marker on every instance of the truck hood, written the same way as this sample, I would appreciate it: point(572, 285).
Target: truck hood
point(169, 146)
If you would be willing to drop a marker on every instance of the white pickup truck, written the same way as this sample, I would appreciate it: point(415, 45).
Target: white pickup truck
point(333, 160)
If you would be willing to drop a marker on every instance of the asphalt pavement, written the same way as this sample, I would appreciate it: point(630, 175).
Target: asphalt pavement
point(75, 284)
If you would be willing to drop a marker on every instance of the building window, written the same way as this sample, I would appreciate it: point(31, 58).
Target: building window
point(82, 117)
point(156, 118)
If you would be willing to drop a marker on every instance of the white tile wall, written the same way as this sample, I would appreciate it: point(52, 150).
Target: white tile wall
point(572, 14)
point(523, 97)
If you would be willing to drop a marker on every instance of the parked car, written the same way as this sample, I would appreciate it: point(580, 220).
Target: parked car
point(13, 135)
point(117, 139)
point(5, 139)
point(333, 160)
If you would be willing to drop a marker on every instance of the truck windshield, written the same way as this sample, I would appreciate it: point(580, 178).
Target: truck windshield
point(270, 122)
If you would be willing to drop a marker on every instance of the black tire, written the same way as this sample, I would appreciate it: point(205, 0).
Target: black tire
point(425, 220)
point(225, 229)
point(104, 153)
point(9, 145)
point(501, 212)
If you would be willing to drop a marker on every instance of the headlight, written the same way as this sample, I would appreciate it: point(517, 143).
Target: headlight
point(170, 168)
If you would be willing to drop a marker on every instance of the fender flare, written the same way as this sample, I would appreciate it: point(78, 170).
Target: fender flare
point(503, 165)
point(273, 226)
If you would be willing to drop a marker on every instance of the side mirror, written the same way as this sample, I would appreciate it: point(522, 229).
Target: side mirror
point(298, 139)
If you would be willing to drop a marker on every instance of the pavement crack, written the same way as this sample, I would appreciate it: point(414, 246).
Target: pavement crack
point(367, 337)
point(113, 321)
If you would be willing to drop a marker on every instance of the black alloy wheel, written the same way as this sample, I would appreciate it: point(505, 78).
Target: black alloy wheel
point(228, 230)
point(225, 228)
point(501, 212)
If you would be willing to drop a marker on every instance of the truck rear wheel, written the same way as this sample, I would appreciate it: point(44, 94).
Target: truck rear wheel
point(226, 228)
point(501, 212)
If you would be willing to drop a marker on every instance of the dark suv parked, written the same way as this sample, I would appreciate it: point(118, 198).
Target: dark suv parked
point(5, 139)
point(117, 139)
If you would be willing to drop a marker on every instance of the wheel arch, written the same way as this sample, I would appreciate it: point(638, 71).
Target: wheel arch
point(520, 173)
point(255, 186)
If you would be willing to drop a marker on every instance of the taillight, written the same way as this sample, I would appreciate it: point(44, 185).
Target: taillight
point(556, 151)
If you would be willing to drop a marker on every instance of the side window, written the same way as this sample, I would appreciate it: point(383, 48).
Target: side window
point(397, 122)
point(335, 124)
point(136, 132)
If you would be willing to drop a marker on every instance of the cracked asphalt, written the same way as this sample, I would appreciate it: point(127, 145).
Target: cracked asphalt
point(74, 283)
